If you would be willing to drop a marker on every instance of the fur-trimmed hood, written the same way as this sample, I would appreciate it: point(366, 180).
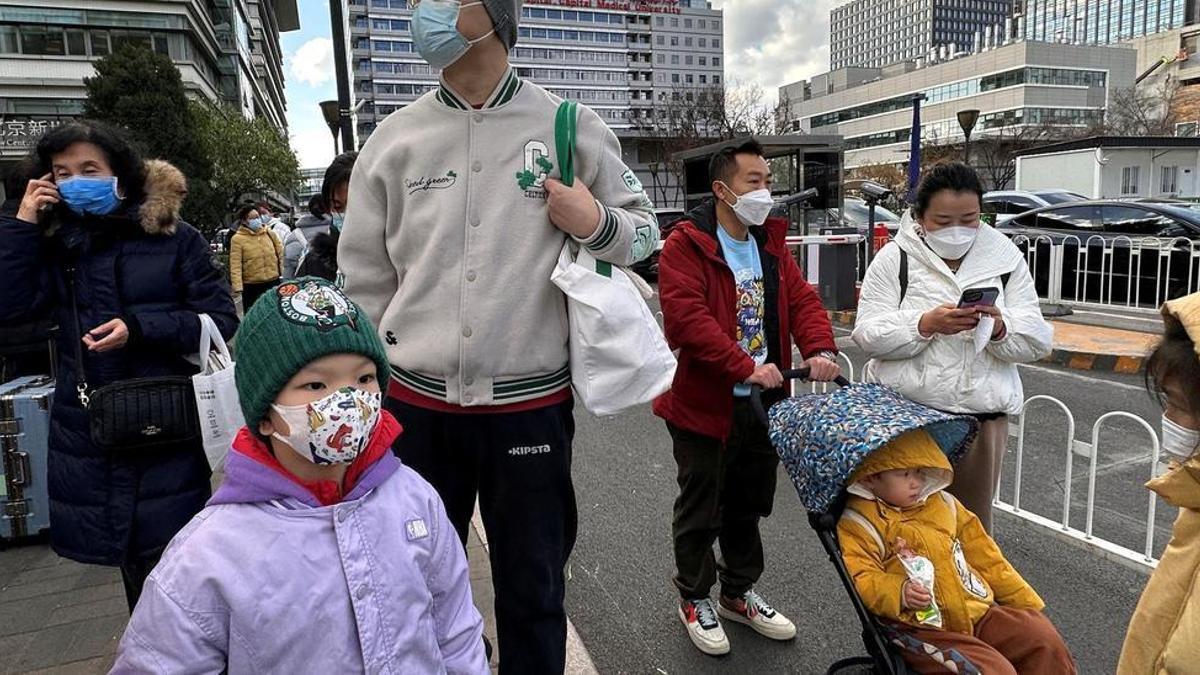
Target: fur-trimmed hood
point(166, 188)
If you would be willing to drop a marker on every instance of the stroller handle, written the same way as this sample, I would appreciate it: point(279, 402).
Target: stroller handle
point(756, 391)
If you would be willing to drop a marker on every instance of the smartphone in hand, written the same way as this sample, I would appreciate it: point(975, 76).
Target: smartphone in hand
point(979, 297)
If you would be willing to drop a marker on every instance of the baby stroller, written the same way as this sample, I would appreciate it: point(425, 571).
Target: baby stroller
point(821, 439)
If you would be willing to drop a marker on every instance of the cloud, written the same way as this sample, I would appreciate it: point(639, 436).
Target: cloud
point(776, 42)
point(312, 62)
point(313, 146)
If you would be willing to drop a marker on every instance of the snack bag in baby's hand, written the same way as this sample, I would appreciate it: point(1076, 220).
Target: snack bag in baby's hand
point(920, 570)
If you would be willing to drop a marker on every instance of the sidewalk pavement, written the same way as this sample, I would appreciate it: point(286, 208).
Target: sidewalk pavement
point(1096, 341)
point(64, 618)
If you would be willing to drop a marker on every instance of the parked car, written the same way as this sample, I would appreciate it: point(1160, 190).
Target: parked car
point(1008, 203)
point(1114, 252)
point(856, 213)
point(666, 220)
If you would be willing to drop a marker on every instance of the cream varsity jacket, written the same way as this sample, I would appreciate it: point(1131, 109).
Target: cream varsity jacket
point(448, 244)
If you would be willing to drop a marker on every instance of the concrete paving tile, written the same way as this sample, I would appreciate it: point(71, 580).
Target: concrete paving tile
point(64, 591)
point(69, 643)
point(12, 647)
point(20, 558)
point(96, 666)
point(36, 589)
point(96, 575)
point(114, 606)
point(64, 569)
point(25, 616)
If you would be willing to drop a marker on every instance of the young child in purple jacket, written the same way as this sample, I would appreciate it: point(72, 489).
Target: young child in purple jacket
point(320, 552)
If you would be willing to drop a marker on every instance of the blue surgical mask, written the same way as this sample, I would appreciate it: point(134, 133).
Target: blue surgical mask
point(95, 195)
point(255, 224)
point(435, 32)
point(336, 221)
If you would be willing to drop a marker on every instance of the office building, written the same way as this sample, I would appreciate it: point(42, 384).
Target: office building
point(1102, 21)
point(226, 51)
point(1020, 84)
point(617, 57)
point(878, 33)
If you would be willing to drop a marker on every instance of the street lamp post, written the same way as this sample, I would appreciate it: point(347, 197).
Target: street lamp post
point(337, 23)
point(329, 110)
point(967, 120)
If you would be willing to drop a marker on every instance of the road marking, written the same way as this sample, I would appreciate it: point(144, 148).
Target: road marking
point(1084, 378)
point(1148, 319)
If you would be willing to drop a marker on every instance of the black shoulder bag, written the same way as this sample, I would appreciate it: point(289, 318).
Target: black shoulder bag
point(138, 414)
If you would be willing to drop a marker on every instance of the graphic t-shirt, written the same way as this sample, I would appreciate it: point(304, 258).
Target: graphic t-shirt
point(742, 258)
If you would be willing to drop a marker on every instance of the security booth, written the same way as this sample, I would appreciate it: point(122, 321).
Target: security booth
point(807, 184)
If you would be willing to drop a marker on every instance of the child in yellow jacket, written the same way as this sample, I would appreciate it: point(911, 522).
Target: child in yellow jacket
point(979, 611)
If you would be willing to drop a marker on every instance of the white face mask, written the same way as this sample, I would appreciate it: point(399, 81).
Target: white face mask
point(752, 208)
point(332, 430)
point(1178, 441)
point(952, 243)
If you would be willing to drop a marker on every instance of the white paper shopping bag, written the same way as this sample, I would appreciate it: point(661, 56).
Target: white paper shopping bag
point(216, 395)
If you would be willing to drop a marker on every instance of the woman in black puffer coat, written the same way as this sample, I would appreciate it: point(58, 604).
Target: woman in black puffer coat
point(142, 277)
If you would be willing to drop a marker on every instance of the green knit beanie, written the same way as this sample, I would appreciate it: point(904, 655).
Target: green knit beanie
point(288, 328)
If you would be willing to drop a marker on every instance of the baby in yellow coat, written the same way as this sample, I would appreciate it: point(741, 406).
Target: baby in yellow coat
point(979, 611)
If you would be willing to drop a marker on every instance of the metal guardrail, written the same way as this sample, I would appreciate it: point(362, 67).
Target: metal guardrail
point(1123, 272)
point(1143, 559)
point(1061, 526)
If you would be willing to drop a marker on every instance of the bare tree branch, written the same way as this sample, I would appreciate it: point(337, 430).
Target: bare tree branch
point(1142, 111)
point(688, 117)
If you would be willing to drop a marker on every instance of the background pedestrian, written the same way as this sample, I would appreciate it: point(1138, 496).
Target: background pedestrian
point(255, 257)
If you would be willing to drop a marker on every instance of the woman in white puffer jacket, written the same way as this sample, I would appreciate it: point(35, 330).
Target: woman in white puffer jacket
point(956, 360)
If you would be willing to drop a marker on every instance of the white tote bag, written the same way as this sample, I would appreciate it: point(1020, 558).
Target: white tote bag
point(216, 395)
point(619, 356)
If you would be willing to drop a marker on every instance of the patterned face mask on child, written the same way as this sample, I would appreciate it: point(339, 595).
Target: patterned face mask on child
point(332, 430)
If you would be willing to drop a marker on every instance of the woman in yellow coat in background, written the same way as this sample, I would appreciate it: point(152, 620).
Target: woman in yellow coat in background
point(1164, 634)
point(255, 257)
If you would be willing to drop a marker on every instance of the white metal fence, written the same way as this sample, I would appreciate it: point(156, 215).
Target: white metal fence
point(1061, 524)
point(1130, 273)
point(1092, 450)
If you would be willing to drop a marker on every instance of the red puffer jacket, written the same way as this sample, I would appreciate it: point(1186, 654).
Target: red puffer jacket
point(699, 314)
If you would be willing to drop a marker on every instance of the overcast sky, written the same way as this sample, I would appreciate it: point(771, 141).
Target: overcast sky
point(768, 42)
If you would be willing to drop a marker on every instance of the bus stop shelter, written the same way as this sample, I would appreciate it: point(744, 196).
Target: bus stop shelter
point(798, 162)
point(829, 253)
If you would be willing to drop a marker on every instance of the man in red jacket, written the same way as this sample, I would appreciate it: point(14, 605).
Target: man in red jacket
point(733, 300)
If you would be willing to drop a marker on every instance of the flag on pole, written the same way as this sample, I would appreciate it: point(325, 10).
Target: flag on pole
point(914, 150)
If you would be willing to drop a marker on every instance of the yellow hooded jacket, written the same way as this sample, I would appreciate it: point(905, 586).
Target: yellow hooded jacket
point(1164, 634)
point(970, 572)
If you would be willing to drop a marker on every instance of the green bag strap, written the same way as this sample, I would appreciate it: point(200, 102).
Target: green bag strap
point(564, 140)
point(565, 123)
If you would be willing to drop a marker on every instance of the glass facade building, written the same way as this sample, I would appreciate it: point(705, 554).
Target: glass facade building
point(618, 57)
point(878, 33)
point(1102, 21)
point(225, 50)
point(1055, 89)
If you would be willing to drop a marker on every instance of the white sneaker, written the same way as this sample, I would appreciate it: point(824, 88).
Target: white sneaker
point(703, 627)
point(753, 611)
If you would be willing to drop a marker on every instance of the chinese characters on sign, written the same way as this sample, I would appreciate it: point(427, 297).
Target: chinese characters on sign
point(24, 133)
point(649, 6)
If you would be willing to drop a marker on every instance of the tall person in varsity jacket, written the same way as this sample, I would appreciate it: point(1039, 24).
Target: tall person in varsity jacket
point(455, 223)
